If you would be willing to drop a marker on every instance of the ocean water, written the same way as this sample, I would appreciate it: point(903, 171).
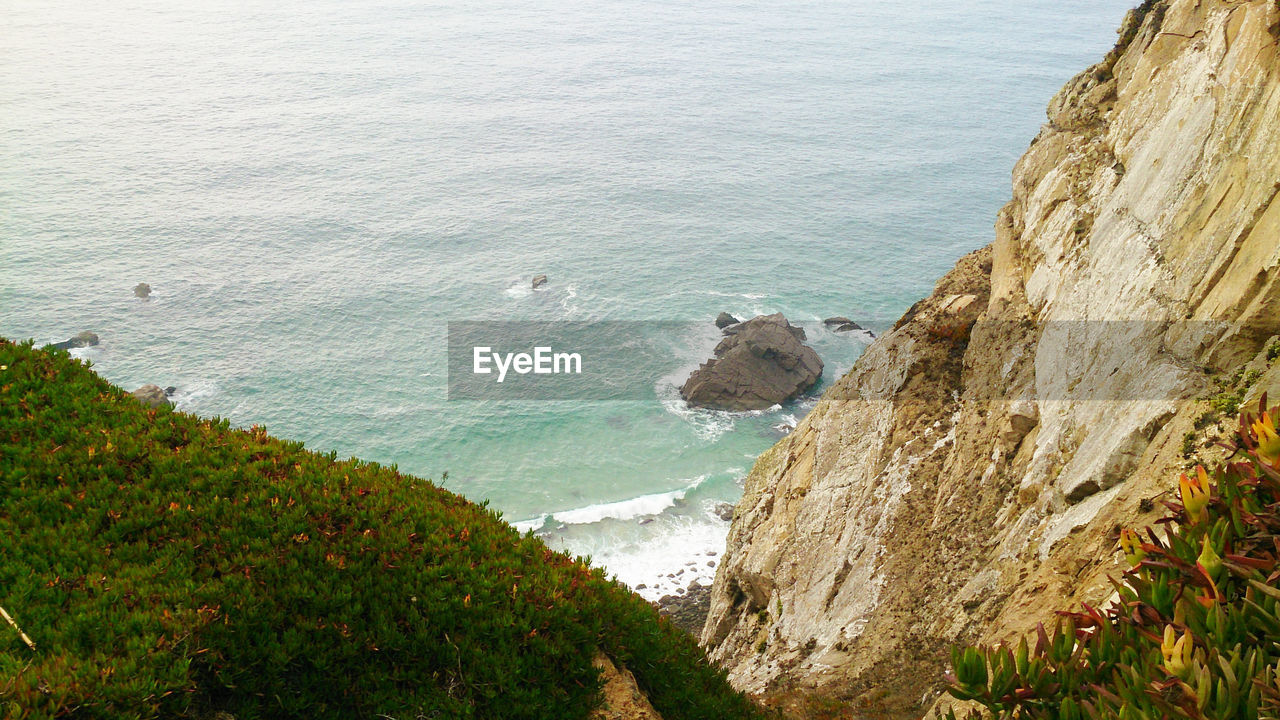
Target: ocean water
point(314, 190)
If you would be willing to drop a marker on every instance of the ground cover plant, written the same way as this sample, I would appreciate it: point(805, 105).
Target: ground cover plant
point(1195, 629)
point(158, 564)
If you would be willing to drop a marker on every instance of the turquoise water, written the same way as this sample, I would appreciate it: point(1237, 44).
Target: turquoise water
point(313, 190)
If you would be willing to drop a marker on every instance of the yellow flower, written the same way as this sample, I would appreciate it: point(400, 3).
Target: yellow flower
point(1177, 652)
point(1268, 440)
point(1209, 560)
point(1131, 546)
point(1195, 494)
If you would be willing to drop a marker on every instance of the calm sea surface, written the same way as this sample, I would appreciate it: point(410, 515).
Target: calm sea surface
point(313, 190)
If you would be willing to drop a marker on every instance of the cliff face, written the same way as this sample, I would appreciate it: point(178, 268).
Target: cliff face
point(966, 478)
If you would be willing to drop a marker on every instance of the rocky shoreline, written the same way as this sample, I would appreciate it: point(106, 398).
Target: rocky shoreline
point(687, 611)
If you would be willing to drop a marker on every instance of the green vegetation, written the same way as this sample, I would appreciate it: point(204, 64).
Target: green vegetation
point(165, 565)
point(1230, 394)
point(1195, 632)
point(1188, 445)
point(1128, 33)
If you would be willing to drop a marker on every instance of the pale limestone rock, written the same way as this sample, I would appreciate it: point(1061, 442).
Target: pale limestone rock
point(965, 478)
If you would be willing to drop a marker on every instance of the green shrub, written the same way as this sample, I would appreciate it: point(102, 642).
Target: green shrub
point(1188, 444)
point(166, 565)
point(1195, 632)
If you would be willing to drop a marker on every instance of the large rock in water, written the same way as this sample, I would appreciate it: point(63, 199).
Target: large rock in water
point(152, 396)
point(84, 339)
point(762, 364)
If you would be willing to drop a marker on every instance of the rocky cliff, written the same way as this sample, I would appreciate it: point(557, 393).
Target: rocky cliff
point(967, 477)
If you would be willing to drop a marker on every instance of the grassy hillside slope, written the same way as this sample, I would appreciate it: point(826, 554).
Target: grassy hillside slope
point(165, 565)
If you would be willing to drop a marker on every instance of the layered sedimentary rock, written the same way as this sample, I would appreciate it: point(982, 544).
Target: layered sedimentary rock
point(967, 477)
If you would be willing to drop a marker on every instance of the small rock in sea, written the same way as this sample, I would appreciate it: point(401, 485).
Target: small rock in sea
point(724, 320)
point(539, 281)
point(152, 396)
point(142, 290)
point(724, 511)
point(713, 553)
point(641, 586)
point(169, 391)
point(646, 521)
point(711, 563)
point(84, 339)
point(694, 585)
point(837, 320)
point(849, 327)
point(689, 564)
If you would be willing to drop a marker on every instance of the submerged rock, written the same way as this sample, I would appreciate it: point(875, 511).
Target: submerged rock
point(841, 324)
point(142, 290)
point(152, 396)
point(724, 320)
point(84, 339)
point(761, 364)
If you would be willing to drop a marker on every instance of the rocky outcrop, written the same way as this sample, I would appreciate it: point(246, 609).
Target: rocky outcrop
point(724, 320)
point(844, 324)
point(152, 396)
point(760, 364)
point(967, 476)
point(622, 697)
point(80, 340)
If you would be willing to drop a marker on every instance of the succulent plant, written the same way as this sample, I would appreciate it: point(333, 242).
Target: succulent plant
point(1195, 494)
point(1195, 629)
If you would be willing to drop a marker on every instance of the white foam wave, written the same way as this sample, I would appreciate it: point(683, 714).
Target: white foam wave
point(625, 509)
point(674, 553)
point(189, 398)
point(747, 296)
point(519, 289)
point(566, 302)
point(91, 353)
point(787, 424)
point(708, 425)
point(525, 526)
